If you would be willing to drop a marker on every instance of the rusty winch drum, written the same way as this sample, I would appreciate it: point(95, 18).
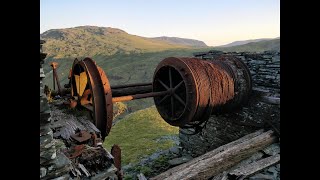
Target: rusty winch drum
point(185, 90)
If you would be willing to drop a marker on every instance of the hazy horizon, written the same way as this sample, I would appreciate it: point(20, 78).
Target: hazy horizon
point(213, 22)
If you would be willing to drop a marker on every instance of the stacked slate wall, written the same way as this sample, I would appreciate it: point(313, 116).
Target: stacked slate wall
point(53, 164)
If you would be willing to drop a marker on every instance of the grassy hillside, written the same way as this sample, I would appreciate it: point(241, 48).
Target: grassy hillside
point(266, 45)
point(91, 40)
point(181, 41)
point(237, 43)
point(138, 135)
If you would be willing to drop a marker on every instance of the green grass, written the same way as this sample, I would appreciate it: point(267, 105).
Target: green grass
point(136, 135)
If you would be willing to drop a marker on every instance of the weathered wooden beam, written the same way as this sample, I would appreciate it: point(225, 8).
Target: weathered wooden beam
point(254, 167)
point(220, 159)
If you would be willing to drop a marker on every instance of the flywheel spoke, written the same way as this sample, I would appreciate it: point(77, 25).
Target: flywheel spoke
point(164, 98)
point(177, 86)
point(172, 107)
point(179, 99)
point(163, 84)
point(170, 78)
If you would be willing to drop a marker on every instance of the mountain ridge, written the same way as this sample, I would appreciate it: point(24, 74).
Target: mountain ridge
point(181, 41)
point(85, 41)
point(260, 46)
point(243, 42)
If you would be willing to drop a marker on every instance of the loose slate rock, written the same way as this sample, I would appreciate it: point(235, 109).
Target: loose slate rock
point(261, 177)
point(180, 160)
point(272, 150)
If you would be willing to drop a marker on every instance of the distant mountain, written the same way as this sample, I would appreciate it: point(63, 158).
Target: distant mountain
point(181, 41)
point(237, 43)
point(91, 40)
point(260, 46)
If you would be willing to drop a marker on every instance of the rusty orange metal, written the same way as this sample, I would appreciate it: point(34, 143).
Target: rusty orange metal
point(76, 151)
point(73, 103)
point(54, 66)
point(116, 153)
point(81, 136)
point(86, 97)
point(178, 107)
point(97, 92)
point(70, 74)
point(199, 88)
point(186, 91)
point(139, 96)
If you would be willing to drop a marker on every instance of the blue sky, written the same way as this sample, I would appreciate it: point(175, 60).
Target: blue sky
point(215, 22)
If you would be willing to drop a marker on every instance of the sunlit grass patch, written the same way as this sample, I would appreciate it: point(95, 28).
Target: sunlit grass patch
point(136, 134)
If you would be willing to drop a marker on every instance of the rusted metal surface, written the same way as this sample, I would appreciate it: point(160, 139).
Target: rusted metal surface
point(94, 139)
point(206, 87)
point(75, 151)
point(97, 93)
point(54, 66)
point(86, 97)
point(186, 91)
point(222, 83)
point(242, 81)
point(72, 80)
point(81, 136)
point(131, 85)
point(174, 75)
point(131, 90)
point(116, 153)
point(139, 96)
point(72, 103)
point(101, 96)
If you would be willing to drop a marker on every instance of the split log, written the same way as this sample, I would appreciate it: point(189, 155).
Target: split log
point(255, 157)
point(221, 176)
point(254, 167)
point(220, 159)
